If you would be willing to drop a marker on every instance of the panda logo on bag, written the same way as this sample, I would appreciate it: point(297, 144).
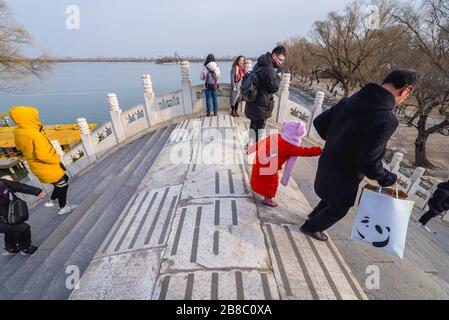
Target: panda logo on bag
point(372, 233)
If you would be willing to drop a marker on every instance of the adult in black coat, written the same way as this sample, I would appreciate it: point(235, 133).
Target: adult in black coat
point(268, 73)
point(356, 131)
point(437, 204)
point(18, 236)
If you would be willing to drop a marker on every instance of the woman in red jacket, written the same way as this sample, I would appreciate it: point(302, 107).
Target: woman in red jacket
point(272, 153)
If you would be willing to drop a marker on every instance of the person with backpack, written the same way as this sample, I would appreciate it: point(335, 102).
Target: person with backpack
point(439, 203)
point(237, 73)
point(211, 74)
point(42, 158)
point(259, 86)
point(17, 236)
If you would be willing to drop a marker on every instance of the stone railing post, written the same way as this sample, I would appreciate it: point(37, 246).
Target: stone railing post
point(283, 97)
point(186, 87)
point(117, 125)
point(60, 152)
point(317, 110)
point(396, 162)
point(87, 140)
point(248, 67)
point(149, 96)
point(415, 179)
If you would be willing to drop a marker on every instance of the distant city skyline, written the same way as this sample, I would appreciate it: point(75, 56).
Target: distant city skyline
point(140, 28)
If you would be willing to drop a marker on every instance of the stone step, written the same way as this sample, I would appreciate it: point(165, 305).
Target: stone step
point(110, 194)
point(82, 255)
point(110, 200)
point(44, 221)
point(309, 270)
point(80, 190)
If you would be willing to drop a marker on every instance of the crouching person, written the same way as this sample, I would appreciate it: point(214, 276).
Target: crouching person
point(17, 236)
point(438, 204)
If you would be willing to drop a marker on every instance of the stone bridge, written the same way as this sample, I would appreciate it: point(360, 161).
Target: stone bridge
point(166, 212)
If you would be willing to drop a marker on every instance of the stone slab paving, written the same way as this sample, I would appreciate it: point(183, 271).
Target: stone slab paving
point(195, 230)
point(213, 233)
point(129, 276)
point(144, 223)
point(217, 285)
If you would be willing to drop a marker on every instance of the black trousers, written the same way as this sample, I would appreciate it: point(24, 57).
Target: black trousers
point(255, 126)
point(60, 190)
point(429, 215)
point(325, 215)
point(18, 235)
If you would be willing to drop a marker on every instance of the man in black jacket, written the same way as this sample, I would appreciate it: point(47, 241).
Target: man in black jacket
point(268, 70)
point(437, 204)
point(17, 236)
point(356, 131)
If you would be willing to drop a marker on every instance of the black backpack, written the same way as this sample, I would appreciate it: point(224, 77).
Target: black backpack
point(18, 209)
point(250, 84)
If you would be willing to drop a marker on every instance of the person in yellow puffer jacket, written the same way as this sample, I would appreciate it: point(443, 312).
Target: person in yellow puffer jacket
point(42, 158)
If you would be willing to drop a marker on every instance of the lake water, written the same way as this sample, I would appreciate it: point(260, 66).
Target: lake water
point(74, 90)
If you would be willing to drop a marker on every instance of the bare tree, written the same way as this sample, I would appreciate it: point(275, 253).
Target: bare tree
point(300, 62)
point(428, 25)
point(14, 66)
point(350, 48)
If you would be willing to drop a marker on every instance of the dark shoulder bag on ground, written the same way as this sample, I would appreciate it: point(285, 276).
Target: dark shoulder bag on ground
point(18, 209)
point(248, 88)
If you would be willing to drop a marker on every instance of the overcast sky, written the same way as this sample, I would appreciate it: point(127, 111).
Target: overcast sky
point(160, 27)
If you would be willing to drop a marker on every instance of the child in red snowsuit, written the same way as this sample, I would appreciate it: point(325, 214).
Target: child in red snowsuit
point(271, 154)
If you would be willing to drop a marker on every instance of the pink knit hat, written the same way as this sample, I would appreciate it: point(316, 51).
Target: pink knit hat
point(293, 131)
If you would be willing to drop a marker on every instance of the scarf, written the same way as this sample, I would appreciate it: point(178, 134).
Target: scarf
point(292, 132)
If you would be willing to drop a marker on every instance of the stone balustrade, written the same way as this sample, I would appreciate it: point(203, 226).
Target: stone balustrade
point(420, 190)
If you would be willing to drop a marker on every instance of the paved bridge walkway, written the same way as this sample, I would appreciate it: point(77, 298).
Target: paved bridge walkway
point(193, 229)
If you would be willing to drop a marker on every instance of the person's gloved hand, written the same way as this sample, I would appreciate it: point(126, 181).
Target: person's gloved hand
point(388, 180)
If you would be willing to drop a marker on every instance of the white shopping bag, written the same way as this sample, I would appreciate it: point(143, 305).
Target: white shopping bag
point(382, 221)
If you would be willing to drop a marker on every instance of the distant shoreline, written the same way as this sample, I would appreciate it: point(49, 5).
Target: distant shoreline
point(127, 60)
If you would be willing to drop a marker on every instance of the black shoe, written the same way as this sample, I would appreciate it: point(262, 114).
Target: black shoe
point(11, 251)
point(29, 251)
point(215, 114)
point(208, 114)
point(320, 236)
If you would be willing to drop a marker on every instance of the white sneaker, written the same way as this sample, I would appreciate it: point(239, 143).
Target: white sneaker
point(67, 209)
point(50, 203)
point(424, 226)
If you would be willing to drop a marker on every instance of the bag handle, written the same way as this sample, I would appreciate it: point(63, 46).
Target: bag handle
point(397, 190)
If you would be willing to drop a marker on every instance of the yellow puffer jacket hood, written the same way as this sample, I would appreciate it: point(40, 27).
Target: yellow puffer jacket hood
point(42, 158)
point(25, 117)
